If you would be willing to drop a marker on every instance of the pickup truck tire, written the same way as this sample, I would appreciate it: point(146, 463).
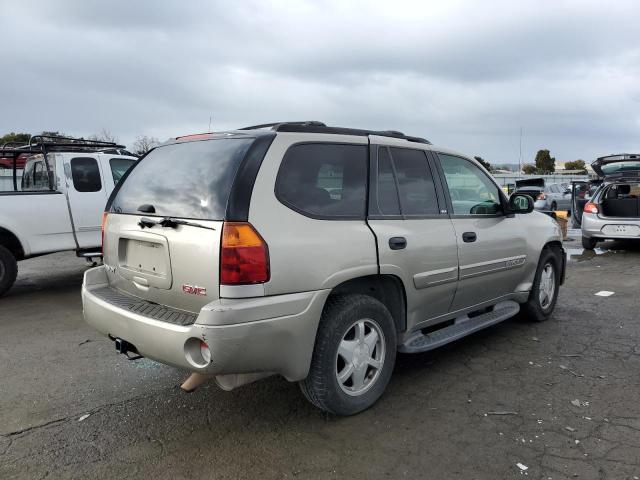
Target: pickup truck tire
point(544, 292)
point(8, 270)
point(361, 328)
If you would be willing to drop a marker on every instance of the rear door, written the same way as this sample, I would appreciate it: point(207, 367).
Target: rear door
point(87, 197)
point(176, 265)
point(416, 239)
point(492, 247)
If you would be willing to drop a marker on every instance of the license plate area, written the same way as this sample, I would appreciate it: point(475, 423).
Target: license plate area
point(143, 258)
point(621, 230)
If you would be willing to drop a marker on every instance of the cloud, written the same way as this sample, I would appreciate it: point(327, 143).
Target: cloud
point(464, 74)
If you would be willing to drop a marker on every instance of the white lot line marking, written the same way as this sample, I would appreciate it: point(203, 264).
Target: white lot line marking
point(604, 293)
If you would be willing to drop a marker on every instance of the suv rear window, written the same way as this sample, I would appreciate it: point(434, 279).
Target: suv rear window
point(185, 180)
point(324, 180)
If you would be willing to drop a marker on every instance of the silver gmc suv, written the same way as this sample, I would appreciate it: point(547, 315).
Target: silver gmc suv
point(315, 253)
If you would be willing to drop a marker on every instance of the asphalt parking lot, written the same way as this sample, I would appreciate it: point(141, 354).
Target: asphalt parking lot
point(559, 398)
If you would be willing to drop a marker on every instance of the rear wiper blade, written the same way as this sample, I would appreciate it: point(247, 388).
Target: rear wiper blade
point(174, 222)
point(169, 223)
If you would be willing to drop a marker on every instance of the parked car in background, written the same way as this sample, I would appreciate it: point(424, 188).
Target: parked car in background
point(57, 203)
point(554, 196)
point(613, 210)
point(315, 253)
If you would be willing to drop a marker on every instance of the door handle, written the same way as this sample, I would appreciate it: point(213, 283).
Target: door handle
point(397, 243)
point(469, 237)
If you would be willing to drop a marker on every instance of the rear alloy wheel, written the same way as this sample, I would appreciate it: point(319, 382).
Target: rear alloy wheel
point(589, 243)
point(353, 357)
point(8, 270)
point(544, 293)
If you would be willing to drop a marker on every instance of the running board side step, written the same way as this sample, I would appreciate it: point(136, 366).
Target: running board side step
point(463, 326)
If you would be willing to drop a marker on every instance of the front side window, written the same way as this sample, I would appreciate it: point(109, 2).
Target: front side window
point(86, 174)
point(119, 167)
point(324, 180)
point(472, 192)
point(415, 184)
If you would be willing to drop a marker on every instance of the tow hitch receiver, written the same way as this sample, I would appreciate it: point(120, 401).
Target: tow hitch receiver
point(124, 347)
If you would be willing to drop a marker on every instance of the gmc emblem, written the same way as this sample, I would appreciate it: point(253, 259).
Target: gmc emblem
point(193, 290)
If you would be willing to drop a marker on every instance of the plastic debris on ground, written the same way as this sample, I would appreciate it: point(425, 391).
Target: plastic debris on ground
point(604, 293)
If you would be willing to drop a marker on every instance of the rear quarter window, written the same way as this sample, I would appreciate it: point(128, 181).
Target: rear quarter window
point(324, 180)
point(185, 180)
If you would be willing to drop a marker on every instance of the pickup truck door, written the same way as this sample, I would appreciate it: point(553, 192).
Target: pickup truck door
point(87, 196)
point(492, 247)
point(415, 237)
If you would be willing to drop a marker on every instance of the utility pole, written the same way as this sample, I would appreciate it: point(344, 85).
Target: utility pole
point(520, 157)
point(210, 117)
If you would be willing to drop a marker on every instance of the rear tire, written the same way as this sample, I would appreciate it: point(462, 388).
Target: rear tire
point(546, 283)
point(589, 243)
point(8, 270)
point(353, 357)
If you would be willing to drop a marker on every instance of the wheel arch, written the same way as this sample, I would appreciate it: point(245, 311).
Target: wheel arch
point(12, 243)
point(388, 289)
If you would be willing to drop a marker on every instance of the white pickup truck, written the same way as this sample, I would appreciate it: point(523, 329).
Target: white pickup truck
point(57, 203)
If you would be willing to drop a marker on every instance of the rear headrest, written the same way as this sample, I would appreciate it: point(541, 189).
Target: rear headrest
point(624, 189)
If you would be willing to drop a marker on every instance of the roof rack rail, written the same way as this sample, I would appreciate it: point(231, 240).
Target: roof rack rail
point(276, 125)
point(57, 141)
point(320, 127)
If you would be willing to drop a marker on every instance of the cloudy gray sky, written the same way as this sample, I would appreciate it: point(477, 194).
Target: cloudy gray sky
point(464, 74)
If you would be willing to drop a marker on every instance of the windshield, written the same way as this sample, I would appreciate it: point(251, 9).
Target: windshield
point(186, 180)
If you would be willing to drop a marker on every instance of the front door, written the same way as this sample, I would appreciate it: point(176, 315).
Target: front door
point(87, 199)
point(492, 247)
point(415, 237)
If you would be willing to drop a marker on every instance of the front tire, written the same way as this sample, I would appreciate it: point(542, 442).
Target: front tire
point(589, 243)
point(8, 270)
point(353, 357)
point(544, 292)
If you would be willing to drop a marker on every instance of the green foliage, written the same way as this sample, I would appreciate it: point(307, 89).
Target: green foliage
point(575, 165)
point(529, 169)
point(15, 137)
point(545, 163)
point(484, 163)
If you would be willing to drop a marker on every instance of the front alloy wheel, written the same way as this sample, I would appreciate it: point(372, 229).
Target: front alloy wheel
point(547, 286)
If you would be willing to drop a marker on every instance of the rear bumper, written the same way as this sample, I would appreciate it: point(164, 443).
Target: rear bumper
point(595, 226)
point(259, 335)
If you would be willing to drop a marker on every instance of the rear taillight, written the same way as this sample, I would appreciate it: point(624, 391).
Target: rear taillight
point(102, 227)
point(590, 208)
point(244, 255)
point(541, 196)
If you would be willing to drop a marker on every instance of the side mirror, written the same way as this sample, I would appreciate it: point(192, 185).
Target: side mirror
point(520, 203)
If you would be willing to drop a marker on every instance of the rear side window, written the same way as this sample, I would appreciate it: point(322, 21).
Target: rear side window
point(35, 177)
point(86, 174)
point(405, 183)
point(185, 180)
point(324, 180)
point(119, 167)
